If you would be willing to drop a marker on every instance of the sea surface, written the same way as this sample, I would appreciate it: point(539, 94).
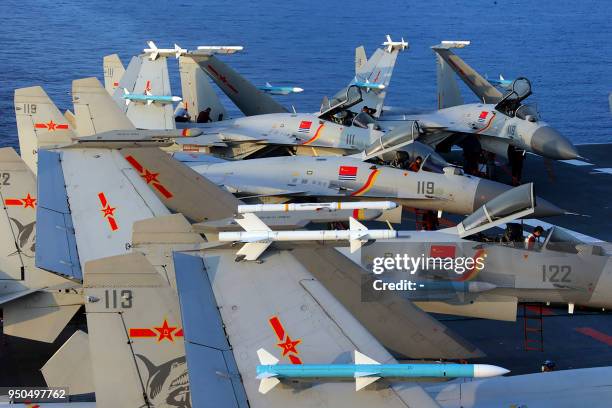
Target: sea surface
point(564, 47)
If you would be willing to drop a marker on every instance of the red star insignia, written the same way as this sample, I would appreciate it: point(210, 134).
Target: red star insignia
point(108, 211)
point(165, 332)
point(150, 177)
point(29, 201)
point(289, 346)
point(51, 125)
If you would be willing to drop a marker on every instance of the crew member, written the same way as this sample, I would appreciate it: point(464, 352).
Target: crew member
point(516, 158)
point(204, 116)
point(416, 164)
point(430, 221)
point(534, 237)
point(182, 116)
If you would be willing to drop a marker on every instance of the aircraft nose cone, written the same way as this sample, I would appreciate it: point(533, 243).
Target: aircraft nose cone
point(486, 191)
point(545, 208)
point(549, 143)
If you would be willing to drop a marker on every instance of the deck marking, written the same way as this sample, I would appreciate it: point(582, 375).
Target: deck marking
point(575, 162)
point(596, 334)
point(603, 170)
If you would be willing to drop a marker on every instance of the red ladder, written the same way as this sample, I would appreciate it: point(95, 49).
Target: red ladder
point(533, 326)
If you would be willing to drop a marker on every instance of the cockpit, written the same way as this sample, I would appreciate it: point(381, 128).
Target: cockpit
point(511, 103)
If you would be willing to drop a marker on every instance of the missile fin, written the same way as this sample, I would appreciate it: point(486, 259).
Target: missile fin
point(361, 382)
point(355, 245)
point(355, 225)
point(267, 384)
point(361, 358)
point(253, 250)
point(251, 222)
point(149, 101)
point(265, 358)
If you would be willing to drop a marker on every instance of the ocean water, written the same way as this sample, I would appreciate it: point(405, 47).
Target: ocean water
point(564, 47)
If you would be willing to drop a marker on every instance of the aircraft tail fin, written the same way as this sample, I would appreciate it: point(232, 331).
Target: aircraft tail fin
point(146, 77)
point(250, 100)
point(198, 93)
point(360, 58)
point(482, 88)
point(39, 123)
point(377, 70)
point(95, 110)
point(134, 322)
point(448, 89)
point(113, 71)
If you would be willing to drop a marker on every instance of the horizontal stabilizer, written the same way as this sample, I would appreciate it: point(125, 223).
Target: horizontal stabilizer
point(41, 316)
point(71, 366)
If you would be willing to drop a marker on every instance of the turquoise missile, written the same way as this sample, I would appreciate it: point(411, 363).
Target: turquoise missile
point(279, 90)
point(149, 98)
point(365, 371)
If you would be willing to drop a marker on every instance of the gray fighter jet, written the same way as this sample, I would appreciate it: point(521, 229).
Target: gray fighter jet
point(498, 122)
point(433, 185)
point(557, 267)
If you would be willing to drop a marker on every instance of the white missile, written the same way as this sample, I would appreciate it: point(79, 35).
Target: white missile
point(391, 45)
point(333, 206)
point(155, 52)
point(257, 236)
point(219, 49)
point(455, 44)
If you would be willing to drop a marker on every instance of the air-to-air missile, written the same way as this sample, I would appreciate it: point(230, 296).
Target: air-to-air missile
point(149, 98)
point(279, 90)
point(154, 52)
point(367, 85)
point(365, 371)
point(257, 236)
point(332, 206)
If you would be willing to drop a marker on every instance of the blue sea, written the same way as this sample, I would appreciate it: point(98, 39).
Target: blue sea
point(564, 47)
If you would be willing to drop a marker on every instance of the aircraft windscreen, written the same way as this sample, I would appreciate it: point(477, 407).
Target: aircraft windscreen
point(434, 163)
point(527, 112)
point(562, 241)
point(512, 201)
point(362, 120)
point(342, 102)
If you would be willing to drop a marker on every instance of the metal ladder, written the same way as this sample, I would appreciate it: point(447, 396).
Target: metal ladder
point(533, 326)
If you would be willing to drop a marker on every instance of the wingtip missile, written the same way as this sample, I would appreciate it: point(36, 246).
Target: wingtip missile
point(390, 45)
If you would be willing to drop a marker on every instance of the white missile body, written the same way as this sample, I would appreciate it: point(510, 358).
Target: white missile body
point(219, 49)
point(332, 206)
point(257, 236)
point(390, 45)
point(177, 51)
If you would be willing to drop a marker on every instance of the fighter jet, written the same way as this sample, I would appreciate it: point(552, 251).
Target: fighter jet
point(432, 186)
point(558, 269)
point(499, 122)
point(279, 90)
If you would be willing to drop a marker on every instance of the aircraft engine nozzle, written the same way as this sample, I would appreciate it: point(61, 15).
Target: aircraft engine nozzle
point(549, 143)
